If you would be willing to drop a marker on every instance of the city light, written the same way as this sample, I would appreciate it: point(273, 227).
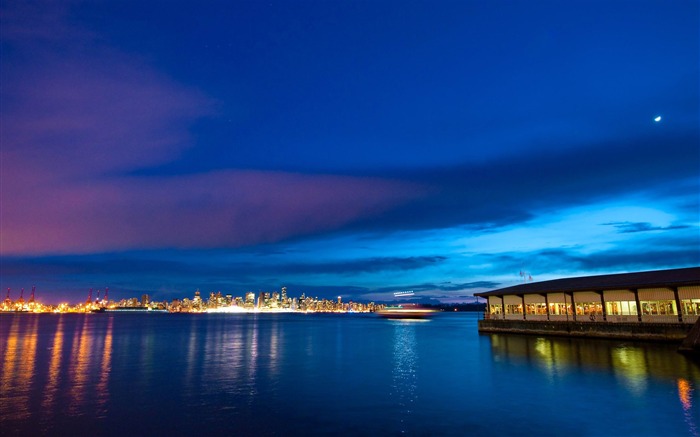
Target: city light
point(277, 302)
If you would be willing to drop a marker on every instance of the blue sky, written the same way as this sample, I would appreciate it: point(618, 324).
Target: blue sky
point(345, 148)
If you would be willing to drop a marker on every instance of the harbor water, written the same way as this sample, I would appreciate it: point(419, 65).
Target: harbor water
point(330, 374)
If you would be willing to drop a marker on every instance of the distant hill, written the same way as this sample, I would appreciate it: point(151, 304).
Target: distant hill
point(471, 306)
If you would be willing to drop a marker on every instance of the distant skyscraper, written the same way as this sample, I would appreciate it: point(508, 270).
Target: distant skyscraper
point(197, 301)
point(250, 299)
point(144, 300)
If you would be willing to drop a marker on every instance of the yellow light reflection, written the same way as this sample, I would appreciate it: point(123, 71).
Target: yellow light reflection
point(8, 367)
point(18, 370)
point(80, 362)
point(27, 360)
point(54, 369)
point(630, 365)
point(105, 368)
point(547, 361)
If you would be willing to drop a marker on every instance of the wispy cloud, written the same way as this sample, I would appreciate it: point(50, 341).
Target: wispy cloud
point(126, 263)
point(516, 189)
point(222, 209)
point(641, 254)
point(632, 227)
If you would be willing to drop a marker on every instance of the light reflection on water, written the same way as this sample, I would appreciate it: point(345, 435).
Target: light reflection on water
point(632, 363)
point(252, 363)
point(404, 375)
point(81, 357)
point(685, 394)
point(18, 370)
point(637, 370)
point(51, 389)
point(102, 374)
point(102, 387)
point(9, 363)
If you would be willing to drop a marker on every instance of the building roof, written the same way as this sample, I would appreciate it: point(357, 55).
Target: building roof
point(621, 281)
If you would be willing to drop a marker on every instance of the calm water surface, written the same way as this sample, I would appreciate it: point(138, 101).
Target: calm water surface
point(295, 374)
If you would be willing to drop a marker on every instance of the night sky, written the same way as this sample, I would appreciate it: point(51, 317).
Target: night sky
point(351, 148)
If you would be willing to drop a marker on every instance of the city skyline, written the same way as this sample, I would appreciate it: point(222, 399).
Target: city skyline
point(345, 148)
point(217, 302)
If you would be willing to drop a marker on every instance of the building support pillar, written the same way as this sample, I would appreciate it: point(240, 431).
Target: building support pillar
point(678, 304)
point(602, 302)
point(522, 296)
point(546, 304)
point(503, 307)
point(573, 307)
point(639, 305)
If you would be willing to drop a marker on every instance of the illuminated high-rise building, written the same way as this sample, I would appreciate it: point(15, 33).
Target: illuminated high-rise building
point(197, 301)
point(250, 299)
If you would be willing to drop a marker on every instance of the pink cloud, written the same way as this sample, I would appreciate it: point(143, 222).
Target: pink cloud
point(78, 117)
point(70, 136)
point(221, 209)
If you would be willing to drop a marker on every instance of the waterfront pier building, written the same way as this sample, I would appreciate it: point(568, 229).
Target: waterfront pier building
point(662, 304)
